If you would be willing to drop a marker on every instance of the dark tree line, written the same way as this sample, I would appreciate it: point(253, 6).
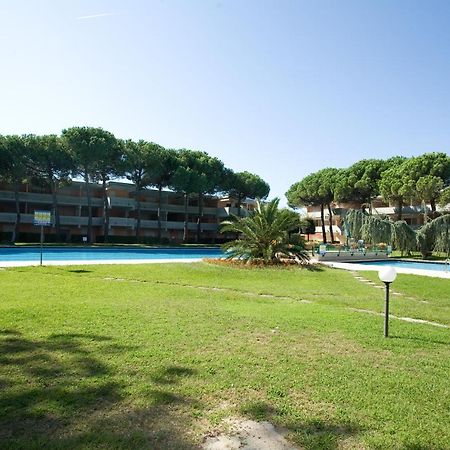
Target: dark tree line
point(399, 180)
point(97, 156)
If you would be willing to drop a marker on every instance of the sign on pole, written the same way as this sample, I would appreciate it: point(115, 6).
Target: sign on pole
point(42, 219)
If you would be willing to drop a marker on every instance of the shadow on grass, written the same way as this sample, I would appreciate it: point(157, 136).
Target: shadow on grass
point(312, 434)
point(421, 340)
point(314, 267)
point(62, 392)
point(79, 271)
point(171, 374)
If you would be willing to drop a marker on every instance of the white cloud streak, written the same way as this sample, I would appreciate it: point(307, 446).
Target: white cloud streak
point(94, 16)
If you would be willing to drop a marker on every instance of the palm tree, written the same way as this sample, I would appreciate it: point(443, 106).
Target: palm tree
point(264, 236)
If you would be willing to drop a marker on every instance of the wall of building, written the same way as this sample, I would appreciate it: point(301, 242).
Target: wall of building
point(412, 214)
point(122, 199)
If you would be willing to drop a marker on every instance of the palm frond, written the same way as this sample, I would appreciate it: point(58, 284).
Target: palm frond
point(264, 235)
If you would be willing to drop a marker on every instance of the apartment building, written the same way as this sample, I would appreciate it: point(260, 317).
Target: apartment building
point(122, 204)
point(412, 214)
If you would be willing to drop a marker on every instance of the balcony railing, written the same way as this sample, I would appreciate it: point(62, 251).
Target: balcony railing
point(46, 199)
point(113, 222)
point(227, 211)
point(80, 220)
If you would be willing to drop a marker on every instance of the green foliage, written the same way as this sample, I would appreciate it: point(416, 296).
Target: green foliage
point(162, 163)
point(360, 182)
point(353, 222)
point(435, 235)
point(441, 232)
point(97, 155)
point(265, 235)
point(135, 163)
point(417, 178)
point(404, 237)
point(376, 230)
point(198, 173)
point(95, 151)
point(307, 225)
point(304, 192)
point(15, 161)
point(444, 198)
point(185, 178)
point(429, 187)
point(51, 162)
point(246, 185)
point(395, 186)
point(425, 240)
point(15, 170)
point(317, 189)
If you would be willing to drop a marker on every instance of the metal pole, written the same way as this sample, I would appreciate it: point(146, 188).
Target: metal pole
point(42, 240)
point(386, 312)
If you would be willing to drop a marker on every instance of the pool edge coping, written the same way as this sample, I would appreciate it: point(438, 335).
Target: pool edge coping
point(403, 270)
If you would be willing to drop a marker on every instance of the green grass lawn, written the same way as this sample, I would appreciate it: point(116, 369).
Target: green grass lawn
point(156, 356)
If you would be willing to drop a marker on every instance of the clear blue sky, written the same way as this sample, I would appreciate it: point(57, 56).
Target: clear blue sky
point(280, 88)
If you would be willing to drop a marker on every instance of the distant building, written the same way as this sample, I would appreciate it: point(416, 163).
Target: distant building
point(412, 214)
point(73, 211)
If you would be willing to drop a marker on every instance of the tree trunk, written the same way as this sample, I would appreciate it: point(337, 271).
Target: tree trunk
point(433, 207)
point(105, 211)
point(199, 218)
point(185, 225)
point(138, 218)
point(56, 212)
point(330, 217)
point(322, 218)
point(238, 204)
point(159, 212)
point(425, 215)
point(15, 233)
point(400, 208)
point(89, 206)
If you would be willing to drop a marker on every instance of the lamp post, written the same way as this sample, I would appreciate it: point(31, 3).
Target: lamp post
point(387, 275)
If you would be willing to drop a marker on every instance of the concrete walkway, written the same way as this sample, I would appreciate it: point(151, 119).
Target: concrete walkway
point(81, 262)
point(362, 267)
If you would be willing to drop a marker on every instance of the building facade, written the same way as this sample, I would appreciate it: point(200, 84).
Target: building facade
point(413, 214)
point(122, 201)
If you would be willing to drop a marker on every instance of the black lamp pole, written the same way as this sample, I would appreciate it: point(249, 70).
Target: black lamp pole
point(386, 311)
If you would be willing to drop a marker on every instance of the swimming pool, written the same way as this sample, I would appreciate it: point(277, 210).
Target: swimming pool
point(407, 264)
point(23, 255)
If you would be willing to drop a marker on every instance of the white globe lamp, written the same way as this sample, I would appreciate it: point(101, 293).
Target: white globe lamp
point(387, 275)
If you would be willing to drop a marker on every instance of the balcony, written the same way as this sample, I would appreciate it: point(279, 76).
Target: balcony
point(122, 202)
point(122, 222)
point(227, 211)
point(47, 200)
point(80, 221)
point(11, 218)
point(210, 226)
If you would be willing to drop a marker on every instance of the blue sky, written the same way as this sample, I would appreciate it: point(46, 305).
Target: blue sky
point(280, 88)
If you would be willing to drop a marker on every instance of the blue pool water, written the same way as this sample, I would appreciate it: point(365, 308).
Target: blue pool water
point(104, 253)
point(409, 265)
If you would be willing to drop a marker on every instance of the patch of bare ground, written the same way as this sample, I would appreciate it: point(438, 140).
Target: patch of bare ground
point(248, 435)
